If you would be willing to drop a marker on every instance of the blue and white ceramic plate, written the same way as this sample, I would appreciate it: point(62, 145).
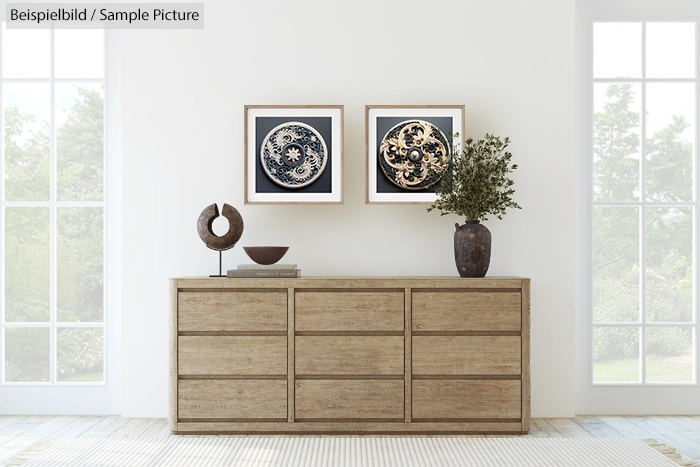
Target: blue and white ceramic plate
point(294, 155)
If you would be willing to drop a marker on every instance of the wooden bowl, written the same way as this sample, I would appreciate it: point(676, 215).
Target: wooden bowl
point(265, 254)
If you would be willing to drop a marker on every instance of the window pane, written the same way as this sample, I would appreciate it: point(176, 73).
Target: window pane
point(616, 148)
point(670, 140)
point(26, 53)
point(669, 355)
point(669, 265)
point(27, 264)
point(670, 50)
point(617, 50)
point(80, 355)
point(79, 53)
point(615, 355)
point(27, 355)
point(615, 264)
point(79, 246)
point(79, 142)
point(26, 141)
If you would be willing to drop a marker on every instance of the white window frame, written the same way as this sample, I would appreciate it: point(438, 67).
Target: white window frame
point(76, 397)
point(642, 204)
point(641, 397)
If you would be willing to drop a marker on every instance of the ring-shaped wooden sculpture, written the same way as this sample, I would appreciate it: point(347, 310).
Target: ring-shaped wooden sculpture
point(229, 239)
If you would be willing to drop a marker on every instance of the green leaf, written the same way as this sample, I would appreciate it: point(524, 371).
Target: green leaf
point(476, 183)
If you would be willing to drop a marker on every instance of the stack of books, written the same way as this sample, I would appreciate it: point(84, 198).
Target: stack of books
point(261, 270)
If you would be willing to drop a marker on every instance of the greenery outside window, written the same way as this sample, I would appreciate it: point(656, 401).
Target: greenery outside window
point(52, 307)
point(644, 203)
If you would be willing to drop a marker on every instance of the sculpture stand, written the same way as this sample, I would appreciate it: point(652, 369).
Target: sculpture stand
point(220, 275)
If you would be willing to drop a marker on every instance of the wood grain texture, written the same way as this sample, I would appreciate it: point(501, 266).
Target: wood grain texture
point(666, 434)
point(134, 428)
point(525, 371)
point(42, 428)
point(173, 357)
point(349, 311)
point(84, 423)
point(159, 429)
point(351, 427)
point(232, 311)
point(452, 399)
point(232, 399)
point(349, 399)
point(466, 311)
point(108, 426)
point(245, 154)
point(232, 355)
point(367, 154)
point(347, 355)
point(596, 427)
point(568, 428)
point(407, 365)
point(291, 303)
point(351, 283)
point(477, 355)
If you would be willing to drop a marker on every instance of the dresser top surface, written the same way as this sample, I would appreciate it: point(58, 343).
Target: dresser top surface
point(378, 282)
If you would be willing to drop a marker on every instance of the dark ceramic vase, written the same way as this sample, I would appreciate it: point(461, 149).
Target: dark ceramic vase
point(472, 249)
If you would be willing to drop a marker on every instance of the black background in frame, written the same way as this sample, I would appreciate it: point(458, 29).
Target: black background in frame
point(263, 184)
point(385, 124)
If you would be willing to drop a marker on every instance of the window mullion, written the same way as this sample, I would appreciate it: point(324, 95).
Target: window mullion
point(53, 215)
point(105, 223)
point(591, 205)
point(695, 317)
point(2, 224)
point(642, 214)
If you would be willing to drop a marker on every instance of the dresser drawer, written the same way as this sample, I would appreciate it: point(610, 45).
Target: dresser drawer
point(466, 311)
point(232, 355)
point(232, 311)
point(349, 399)
point(466, 355)
point(349, 311)
point(349, 355)
point(454, 399)
point(240, 399)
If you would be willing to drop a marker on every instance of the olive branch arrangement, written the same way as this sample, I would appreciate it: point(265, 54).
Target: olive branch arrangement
point(476, 182)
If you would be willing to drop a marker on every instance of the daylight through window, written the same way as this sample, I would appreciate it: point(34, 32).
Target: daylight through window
point(644, 203)
point(53, 206)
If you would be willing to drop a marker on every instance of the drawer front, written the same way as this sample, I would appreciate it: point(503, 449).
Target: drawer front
point(238, 399)
point(349, 311)
point(349, 355)
point(232, 311)
point(349, 399)
point(452, 399)
point(466, 311)
point(232, 355)
point(466, 355)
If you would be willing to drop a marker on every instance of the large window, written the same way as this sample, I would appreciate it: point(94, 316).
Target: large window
point(52, 315)
point(644, 203)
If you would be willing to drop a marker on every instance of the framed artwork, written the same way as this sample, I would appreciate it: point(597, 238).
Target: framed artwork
point(402, 144)
point(293, 154)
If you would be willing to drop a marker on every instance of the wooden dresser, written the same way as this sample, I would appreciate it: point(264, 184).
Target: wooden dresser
point(350, 355)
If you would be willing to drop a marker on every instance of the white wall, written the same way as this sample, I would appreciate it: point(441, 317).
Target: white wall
point(510, 63)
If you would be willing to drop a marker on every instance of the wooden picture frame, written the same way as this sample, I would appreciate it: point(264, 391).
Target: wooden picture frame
point(293, 154)
point(379, 188)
